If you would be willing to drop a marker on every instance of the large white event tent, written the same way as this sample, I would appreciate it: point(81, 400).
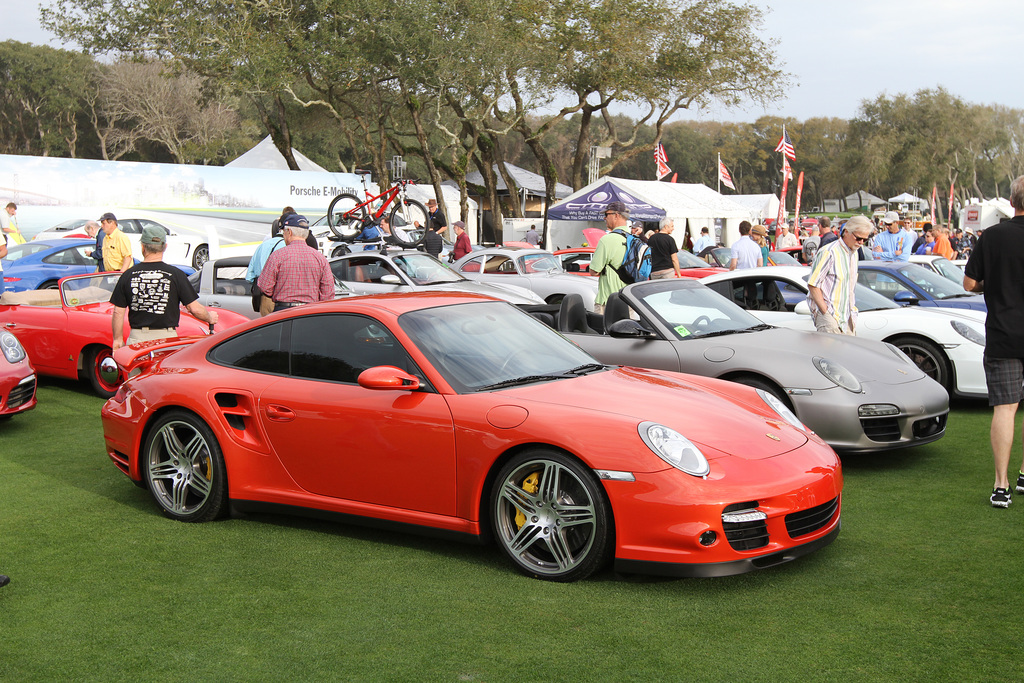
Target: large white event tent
point(691, 206)
point(761, 206)
point(266, 155)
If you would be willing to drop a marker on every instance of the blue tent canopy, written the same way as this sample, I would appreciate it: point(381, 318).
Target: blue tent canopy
point(591, 206)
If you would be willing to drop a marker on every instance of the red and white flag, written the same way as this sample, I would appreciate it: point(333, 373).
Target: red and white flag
point(724, 176)
point(787, 170)
point(787, 173)
point(935, 200)
point(661, 159)
point(949, 214)
point(785, 146)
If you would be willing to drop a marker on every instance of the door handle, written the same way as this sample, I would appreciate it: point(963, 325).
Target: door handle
point(10, 324)
point(280, 413)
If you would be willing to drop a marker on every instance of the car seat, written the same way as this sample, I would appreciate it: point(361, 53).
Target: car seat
point(615, 309)
point(572, 314)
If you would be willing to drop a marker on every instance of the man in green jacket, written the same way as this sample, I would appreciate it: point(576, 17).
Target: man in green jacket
point(608, 255)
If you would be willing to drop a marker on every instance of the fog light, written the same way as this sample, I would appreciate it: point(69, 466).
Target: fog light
point(708, 538)
point(877, 410)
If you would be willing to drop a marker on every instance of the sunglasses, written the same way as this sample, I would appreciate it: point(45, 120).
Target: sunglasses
point(860, 240)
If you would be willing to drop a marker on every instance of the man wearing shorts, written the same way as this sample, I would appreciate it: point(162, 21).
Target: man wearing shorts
point(994, 268)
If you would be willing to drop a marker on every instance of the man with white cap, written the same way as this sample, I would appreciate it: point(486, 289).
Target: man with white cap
point(151, 292)
point(893, 243)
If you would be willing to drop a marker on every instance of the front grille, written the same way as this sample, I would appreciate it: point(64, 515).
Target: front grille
point(930, 426)
point(745, 535)
point(22, 394)
point(881, 428)
point(808, 521)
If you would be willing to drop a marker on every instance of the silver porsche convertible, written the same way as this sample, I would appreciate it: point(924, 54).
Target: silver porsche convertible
point(858, 395)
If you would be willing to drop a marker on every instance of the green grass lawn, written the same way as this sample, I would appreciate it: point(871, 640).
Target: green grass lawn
point(922, 584)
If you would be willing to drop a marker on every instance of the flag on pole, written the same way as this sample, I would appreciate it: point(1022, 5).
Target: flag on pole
point(786, 175)
point(661, 159)
point(787, 170)
point(723, 175)
point(785, 146)
point(796, 211)
point(935, 200)
point(949, 213)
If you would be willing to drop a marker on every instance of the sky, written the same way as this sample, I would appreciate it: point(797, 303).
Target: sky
point(839, 53)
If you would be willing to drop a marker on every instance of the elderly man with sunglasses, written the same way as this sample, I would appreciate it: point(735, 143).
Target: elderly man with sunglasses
point(834, 277)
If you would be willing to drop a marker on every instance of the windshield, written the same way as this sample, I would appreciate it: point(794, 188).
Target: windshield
point(695, 311)
point(932, 283)
point(424, 269)
point(539, 263)
point(79, 291)
point(689, 260)
point(949, 270)
point(478, 345)
point(781, 258)
point(869, 300)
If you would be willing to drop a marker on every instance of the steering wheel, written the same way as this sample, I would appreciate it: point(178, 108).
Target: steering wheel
point(519, 353)
point(701, 321)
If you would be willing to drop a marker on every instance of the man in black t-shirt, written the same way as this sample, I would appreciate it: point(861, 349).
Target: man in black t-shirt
point(151, 292)
point(994, 268)
point(664, 261)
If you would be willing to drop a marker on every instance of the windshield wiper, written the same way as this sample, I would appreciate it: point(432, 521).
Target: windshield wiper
point(758, 328)
point(585, 369)
point(517, 381)
point(722, 333)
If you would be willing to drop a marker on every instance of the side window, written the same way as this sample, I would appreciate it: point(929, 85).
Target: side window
point(130, 227)
point(883, 283)
point(500, 264)
point(472, 266)
point(264, 349)
point(337, 348)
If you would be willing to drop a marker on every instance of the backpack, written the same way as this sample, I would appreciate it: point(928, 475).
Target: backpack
point(636, 263)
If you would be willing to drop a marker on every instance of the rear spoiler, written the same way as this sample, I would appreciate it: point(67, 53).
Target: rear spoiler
point(138, 357)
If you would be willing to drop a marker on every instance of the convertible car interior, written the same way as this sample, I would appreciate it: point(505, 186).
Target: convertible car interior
point(32, 297)
point(753, 295)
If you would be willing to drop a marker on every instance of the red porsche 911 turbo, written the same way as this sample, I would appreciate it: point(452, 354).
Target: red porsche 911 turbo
point(17, 378)
point(460, 415)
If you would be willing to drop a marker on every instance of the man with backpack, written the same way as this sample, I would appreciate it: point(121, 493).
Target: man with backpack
point(620, 258)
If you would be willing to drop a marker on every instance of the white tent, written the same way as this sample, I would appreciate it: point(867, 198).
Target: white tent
point(450, 201)
point(691, 206)
point(266, 155)
point(761, 206)
point(907, 198)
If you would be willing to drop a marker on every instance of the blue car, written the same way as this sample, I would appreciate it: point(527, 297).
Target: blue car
point(910, 284)
point(40, 263)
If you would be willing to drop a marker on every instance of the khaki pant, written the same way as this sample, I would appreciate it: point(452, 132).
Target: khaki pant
point(663, 274)
point(823, 322)
point(266, 305)
point(150, 333)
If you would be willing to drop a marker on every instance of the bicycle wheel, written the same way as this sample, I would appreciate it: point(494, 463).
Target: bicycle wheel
point(345, 216)
point(404, 217)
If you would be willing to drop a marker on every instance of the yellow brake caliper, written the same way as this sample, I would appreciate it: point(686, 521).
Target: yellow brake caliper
point(531, 485)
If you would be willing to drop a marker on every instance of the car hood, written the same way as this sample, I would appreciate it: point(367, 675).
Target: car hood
point(509, 293)
point(711, 413)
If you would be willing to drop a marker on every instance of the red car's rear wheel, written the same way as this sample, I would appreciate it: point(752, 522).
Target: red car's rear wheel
point(184, 468)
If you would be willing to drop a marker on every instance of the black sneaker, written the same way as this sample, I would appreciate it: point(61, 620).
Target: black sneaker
point(1020, 482)
point(4, 580)
point(1000, 498)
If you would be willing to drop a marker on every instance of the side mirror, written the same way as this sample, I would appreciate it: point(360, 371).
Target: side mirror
point(802, 308)
point(390, 279)
point(384, 377)
point(905, 298)
point(630, 329)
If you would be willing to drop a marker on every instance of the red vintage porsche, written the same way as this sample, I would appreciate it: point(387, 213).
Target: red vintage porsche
point(17, 377)
point(67, 333)
point(459, 415)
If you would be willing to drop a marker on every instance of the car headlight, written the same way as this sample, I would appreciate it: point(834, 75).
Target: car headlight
point(968, 332)
point(781, 408)
point(674, 448)
point(14, 352)
point(838, 374)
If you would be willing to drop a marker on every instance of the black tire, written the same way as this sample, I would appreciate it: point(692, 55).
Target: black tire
point(183, 466)
point(94, 359)
point(403, 217)
point(928, 358)
point(340, 250)
point(565, 530)
point(345, 216)
point(52, 284)
point(200, 255)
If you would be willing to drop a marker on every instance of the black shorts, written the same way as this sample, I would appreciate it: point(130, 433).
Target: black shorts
point(1005, 380)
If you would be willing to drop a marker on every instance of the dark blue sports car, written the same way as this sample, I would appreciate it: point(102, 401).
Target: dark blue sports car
point(910, 284)
point(40, 263)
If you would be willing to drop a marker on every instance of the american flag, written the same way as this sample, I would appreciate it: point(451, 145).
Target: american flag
point(723, 175)
point(785, 146)
point(661, 159)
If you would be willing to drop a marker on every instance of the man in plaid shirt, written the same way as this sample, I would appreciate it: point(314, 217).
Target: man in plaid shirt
point(296, 274)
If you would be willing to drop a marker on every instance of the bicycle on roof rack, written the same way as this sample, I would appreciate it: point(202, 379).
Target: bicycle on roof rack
point(347, 216)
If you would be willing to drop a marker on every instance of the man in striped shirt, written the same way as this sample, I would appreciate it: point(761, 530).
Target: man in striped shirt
point(296, 274)
point(834, 277)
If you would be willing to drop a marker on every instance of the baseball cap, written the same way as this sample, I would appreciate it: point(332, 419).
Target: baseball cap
point(108, 217)
point(153, 236)
point(294, 220)
point(891, 217)
point(617, 207)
